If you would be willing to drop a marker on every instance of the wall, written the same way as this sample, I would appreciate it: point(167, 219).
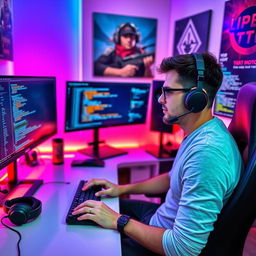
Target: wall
point(47, 43)
point(46, 39)
point(160, 10)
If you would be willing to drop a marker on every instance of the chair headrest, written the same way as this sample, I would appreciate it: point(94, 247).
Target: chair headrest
point(243, 124)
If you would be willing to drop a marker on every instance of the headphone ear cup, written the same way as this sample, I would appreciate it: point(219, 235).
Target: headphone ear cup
point(22, 209)
point(116, 38)
point(137, 37)
point(19, 213)
point(196, 100)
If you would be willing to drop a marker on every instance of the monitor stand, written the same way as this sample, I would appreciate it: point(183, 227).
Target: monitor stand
point(9, 186)
point(100, 151)
point(161, 151)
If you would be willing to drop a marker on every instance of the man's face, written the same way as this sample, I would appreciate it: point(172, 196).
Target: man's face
point(128, 41)
point(173, 104)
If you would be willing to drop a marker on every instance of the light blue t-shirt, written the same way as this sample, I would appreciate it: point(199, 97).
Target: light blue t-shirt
point(204, 174)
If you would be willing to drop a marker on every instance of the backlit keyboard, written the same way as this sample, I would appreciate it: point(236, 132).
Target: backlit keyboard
point(79, 197)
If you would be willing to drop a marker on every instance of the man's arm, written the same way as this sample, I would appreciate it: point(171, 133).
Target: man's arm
point(156, 185)
point(126, 71)
point(148, 236)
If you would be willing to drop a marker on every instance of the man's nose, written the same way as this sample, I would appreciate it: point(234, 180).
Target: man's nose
point(161, 99)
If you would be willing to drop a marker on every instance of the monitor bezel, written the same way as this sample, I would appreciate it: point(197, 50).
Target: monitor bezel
point(15, 155)
point(105, 126)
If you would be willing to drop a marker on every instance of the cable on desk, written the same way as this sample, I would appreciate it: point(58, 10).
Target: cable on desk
point(14, 230)
point(56, 182)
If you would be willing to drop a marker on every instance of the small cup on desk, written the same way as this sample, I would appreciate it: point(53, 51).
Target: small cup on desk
point(57, 151)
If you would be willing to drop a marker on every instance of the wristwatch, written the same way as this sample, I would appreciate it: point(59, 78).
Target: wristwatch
point(121, 222)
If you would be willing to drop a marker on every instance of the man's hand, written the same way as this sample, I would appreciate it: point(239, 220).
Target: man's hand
point(128, 70)
point(111, 189)
point(148, 61)
point(98, 212)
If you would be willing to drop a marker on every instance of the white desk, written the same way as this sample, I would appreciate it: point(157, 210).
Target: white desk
point(48, 234)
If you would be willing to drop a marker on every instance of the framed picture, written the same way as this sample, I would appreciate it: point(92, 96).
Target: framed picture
point(237, 53)
point(192, 33)
point(123, 46)
point(6, 45)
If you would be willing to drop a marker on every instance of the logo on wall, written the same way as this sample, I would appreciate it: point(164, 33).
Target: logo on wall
point(190, 40)
point(242, 31)
point(192, 34)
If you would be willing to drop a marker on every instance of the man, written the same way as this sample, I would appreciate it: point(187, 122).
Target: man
point(113, 62)
point(204, 174)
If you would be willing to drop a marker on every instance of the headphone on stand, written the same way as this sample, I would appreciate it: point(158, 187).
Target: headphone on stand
point(20, 210)
point(196, 99)
point(116, 36)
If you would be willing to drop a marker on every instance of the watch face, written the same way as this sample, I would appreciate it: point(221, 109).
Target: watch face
point(121, 222)
point(123, 219)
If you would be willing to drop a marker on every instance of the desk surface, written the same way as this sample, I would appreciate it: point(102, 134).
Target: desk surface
point(49, 234)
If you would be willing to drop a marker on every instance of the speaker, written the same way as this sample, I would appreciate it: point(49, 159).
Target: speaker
point(156, 123)
point(20, 210)
point(116, 36)
point(196, 99)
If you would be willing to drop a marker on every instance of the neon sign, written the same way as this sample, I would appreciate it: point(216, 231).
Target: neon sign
point(243, 31)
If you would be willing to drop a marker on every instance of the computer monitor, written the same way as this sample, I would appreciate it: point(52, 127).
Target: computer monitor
point(157, 124)
point(27, 118)
point(94, 105)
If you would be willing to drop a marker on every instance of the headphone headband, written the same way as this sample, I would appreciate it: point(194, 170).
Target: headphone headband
point(200, 69)
point(196, 99)
point(116, 36)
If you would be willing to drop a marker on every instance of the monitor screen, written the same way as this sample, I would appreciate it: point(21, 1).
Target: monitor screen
point(156, 123)
point(105, 104)
point(28, 114)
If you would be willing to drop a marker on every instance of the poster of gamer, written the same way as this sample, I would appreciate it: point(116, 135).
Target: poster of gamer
point(237, 53)
point(123, 46)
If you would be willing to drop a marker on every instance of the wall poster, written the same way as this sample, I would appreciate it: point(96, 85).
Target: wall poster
point(237, 53)
point(6, 45)
point(192, 33)
point(123, 46)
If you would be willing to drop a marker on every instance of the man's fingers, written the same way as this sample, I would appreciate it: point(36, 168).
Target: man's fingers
point(106, 192)
point(88, 203)
point(94, 182)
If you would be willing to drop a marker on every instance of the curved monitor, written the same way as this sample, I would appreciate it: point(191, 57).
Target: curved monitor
point(28, 114)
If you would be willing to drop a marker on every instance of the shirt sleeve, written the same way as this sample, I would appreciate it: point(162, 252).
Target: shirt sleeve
point(104, 61)
point(205, 181)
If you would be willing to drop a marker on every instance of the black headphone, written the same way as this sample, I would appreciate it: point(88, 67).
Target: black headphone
point(116, 36)
point(20, 210)
point(196, 99)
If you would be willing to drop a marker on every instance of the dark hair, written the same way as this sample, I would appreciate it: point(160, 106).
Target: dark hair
point(185, 65)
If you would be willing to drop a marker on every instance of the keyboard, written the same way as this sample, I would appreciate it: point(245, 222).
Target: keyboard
point(79, 197)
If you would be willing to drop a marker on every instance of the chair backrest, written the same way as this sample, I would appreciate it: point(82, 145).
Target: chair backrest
point(237, 216)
